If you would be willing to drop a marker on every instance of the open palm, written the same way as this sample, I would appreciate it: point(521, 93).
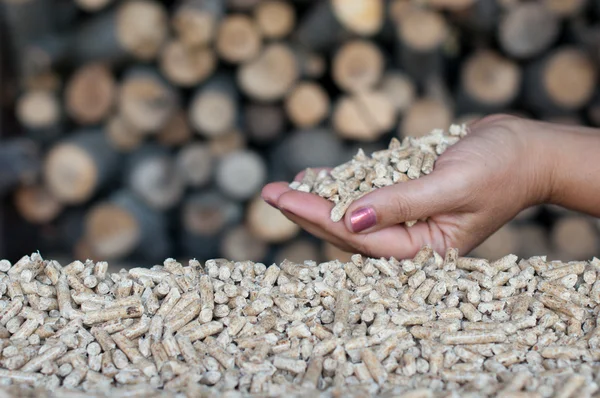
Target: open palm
point(477, 185)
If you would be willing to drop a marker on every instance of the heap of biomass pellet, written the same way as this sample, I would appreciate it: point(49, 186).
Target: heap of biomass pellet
point(422, 327)
point(401, 162)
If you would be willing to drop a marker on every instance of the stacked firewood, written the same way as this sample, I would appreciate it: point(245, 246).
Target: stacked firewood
point(148, 128)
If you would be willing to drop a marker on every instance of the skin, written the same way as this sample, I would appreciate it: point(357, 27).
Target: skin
point(503, 166)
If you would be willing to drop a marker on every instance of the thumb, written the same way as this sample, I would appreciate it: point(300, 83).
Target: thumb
point(413, 200)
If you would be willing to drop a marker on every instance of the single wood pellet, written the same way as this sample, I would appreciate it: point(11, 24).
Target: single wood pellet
point(430, 326)
point(401, 162)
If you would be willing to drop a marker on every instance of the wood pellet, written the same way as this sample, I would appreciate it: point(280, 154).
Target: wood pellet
point(403, 161)
point(436, 325)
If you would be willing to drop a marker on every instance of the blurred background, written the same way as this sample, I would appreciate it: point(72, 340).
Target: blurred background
point(135, 130)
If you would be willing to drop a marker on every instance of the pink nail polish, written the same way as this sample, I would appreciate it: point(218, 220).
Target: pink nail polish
point(362, 219)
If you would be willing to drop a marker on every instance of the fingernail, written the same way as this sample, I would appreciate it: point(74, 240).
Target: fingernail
point(362, 219)
point(270, 203)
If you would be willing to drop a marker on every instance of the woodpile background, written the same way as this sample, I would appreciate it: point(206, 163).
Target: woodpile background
point(136, 130)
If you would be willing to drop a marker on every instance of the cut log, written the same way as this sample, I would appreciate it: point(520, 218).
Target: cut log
point(311, 65)
point(187, 66)
point(501, 242)
point(575, 238)
point(195, 21)
point(195, 164)
point(238, 39)
point(275, 18)
point(268, 223)
point(214, 107)
point(528, 214)
point(489, 82)
point(307, 105)
point(19, 163)
point(239, 244)
point(26, 21)
point(153, 175)
point(421, 34)
point(90, 94)
point(399, 89)
point(451, 5)
point(264, 123)
point(92, 5)
point(241, 5)
point(527, 30)
point(176, 131)
point(146, 100)
point(357, 66)
point(40, 113)
point(204, 216)
point(319, 29)
point(467, 118)
point(47, 81)
point(124, 226)
point(568, 119)
point(36, 204)
point(231, 141)
point(271, 75)
point(241, 174)
point(333, 253)
point(363, 17)
point(563, 80)
point(298, 251)
point(423, 116)
point(121, 135)
point(78, 166)
point(565, 8)
point(134, 29)
point(593, 110)
point(308, 148)
point(365, 116)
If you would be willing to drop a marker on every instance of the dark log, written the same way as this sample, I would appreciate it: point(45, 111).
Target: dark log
point(264, 123)
point(19, 163)
point(332, 253)
point(204, 217)
point(231, 141)
point(421, 34)
point(79, 165)
point(122, 135)
point(176, 131)
point(503, 241)
point(298, 251)
point(319, 30)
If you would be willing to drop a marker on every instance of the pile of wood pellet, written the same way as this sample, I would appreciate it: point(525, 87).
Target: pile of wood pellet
point(422, 327)
point(401, 162)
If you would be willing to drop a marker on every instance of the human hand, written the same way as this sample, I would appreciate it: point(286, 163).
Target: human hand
point(477, 185)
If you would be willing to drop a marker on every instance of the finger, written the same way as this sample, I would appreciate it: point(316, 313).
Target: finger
point(271, 192)
point(318, 232)
point(439, 192)
point(301, 174)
